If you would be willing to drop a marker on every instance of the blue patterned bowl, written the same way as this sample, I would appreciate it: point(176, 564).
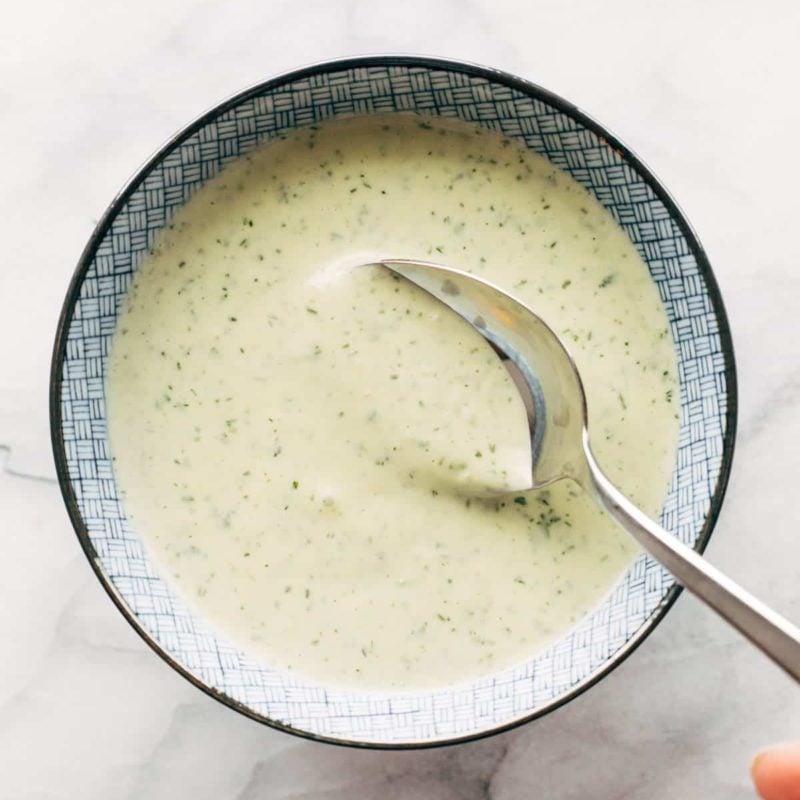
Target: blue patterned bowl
point(573, 142)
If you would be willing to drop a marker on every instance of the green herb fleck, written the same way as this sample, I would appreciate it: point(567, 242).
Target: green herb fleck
point(607, 281)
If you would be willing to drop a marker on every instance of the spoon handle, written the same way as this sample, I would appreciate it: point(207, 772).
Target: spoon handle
point(766, 629)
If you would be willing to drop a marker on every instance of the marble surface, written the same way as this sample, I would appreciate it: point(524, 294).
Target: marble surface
point(704, 92)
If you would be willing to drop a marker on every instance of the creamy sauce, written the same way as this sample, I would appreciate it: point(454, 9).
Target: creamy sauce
point(295, 437)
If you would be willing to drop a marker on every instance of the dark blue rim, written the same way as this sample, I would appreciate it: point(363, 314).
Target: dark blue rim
point(473, 70)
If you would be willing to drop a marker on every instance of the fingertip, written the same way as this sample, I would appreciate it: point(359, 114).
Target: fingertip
point(776, 772)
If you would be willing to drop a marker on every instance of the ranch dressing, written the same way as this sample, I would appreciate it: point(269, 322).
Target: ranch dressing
point(295, 439)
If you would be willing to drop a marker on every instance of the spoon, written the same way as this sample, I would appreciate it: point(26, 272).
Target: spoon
point(560, 447)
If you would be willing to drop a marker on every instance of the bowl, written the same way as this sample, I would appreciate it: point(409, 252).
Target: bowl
point(570, 140)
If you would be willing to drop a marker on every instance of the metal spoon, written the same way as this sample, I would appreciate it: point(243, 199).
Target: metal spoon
point(560, 446)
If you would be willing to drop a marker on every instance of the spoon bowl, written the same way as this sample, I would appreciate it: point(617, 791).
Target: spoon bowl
point(551, 379)
point(560, 445)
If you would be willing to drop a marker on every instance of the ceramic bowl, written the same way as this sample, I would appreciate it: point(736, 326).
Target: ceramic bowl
point(569, 139)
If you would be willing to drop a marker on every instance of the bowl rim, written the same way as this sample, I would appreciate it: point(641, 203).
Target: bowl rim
point(493, 75)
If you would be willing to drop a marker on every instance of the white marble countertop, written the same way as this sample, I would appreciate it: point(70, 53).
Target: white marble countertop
point(704, 92)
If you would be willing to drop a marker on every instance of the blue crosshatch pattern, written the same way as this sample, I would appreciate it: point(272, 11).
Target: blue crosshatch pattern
point(423, 716)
